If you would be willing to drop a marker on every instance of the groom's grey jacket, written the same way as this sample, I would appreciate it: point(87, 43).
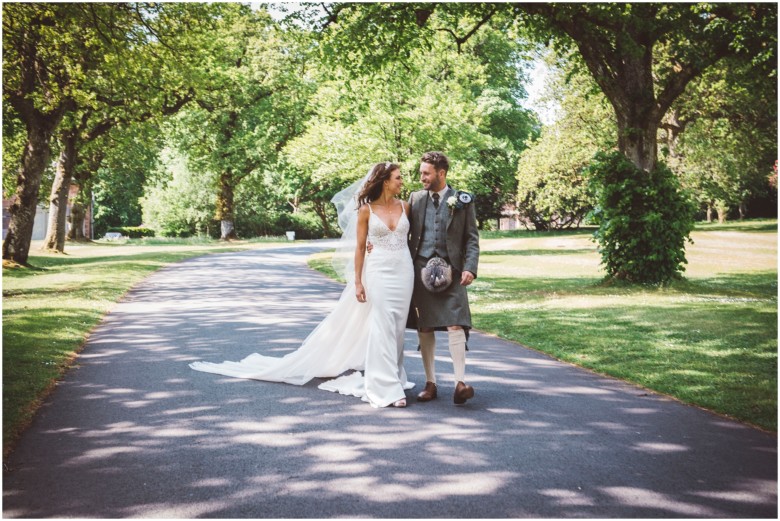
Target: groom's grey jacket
point(462, 234)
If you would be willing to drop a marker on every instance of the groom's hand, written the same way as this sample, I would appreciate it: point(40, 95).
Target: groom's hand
point(369, 247)
point(466, 278)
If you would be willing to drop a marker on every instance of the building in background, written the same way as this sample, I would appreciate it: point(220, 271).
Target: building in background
point(42, 216)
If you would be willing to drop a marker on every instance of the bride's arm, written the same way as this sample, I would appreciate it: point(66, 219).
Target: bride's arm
point(360, 252)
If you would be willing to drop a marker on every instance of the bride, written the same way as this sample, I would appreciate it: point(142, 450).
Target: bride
point(365, 331)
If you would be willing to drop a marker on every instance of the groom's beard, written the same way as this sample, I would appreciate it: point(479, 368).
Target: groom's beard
point(434, 188)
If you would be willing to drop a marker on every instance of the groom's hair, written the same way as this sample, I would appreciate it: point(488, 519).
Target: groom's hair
point(437, 159)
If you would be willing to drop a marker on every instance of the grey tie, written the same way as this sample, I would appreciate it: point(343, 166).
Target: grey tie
point(435, 200)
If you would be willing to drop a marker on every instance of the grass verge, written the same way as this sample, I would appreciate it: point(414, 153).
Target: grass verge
point(50, 308)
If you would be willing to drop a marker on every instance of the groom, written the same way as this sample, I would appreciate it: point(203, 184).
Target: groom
point(443, 224)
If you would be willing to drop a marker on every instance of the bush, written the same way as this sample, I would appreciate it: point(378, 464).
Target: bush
point(551, 190)
point(644, 220)
point(134, 232)
point(305, 225)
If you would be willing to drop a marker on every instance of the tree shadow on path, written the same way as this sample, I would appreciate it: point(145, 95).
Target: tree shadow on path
point(133, 432)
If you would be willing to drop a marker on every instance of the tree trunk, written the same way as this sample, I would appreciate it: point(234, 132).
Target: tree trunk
point(226, 208)
point(709, 212)
point(58, 207)
point(540, 224)
point(638, 140)
point(228, 230)
point(742, 210)
point(674, 125)
point(77, 214)
point(295, 203)
point(319, 209)
point(35, 158)
point(625, 76)
point(82, 206)
point(722, 211)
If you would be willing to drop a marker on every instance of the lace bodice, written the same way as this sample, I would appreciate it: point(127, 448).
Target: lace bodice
point(383, 237)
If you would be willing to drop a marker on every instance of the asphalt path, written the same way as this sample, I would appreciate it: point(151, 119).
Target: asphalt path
point(132, 431)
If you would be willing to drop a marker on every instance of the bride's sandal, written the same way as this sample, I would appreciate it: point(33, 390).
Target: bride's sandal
point(400, 403)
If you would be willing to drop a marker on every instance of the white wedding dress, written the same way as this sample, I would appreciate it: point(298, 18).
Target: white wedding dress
point(354, 335)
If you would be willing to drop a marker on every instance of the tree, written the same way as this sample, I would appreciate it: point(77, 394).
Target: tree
point(467, 104)
point(136, 78)
point(88, 164)
point(617, 43)
point(251, 101)
point(175, 202)
point(72, 63)
point(552, 188)
point(724, 166)
point(14, 141)
point(40, 59)
point(721, 136)
point(115, 169)
point(494, 183)
point(72, 141)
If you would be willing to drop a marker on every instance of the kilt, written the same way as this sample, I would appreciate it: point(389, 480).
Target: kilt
point(438, 310)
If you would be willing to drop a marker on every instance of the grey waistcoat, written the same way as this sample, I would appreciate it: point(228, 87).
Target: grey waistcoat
point(434, 235)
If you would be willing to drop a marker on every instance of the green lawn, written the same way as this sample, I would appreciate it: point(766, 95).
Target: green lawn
point(49, 309)
point(710, 340)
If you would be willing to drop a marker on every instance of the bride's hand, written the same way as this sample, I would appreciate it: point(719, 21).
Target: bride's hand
point(360, 292)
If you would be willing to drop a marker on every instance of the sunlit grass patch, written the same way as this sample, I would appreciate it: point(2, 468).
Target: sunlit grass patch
point(709, 340)
point(322, 262)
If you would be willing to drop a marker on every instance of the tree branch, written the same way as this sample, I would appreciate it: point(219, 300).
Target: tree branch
point(677, 82)
point(205, 106)
point(333, 15)
point(151, 29)
point(108, 123)
point(460, 40)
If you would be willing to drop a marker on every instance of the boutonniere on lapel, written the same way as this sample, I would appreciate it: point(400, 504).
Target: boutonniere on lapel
point(459, 200)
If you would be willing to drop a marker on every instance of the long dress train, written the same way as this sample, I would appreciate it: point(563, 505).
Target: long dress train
point(354, 335)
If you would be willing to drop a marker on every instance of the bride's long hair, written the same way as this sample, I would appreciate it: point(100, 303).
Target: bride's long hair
point(373, 187)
